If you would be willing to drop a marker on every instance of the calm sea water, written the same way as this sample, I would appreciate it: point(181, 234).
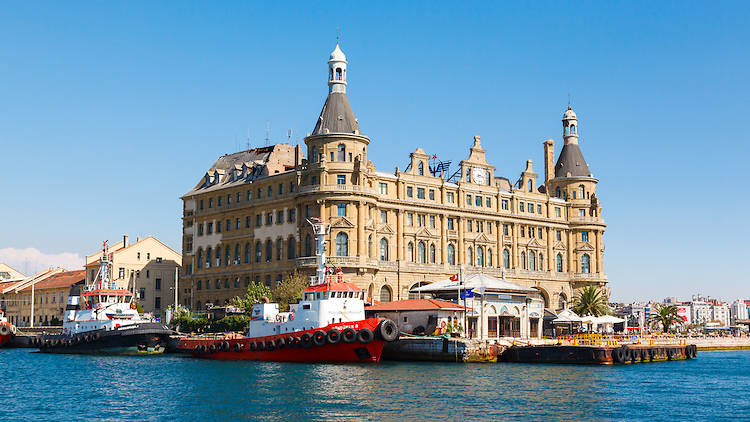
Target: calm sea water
point(60, 387)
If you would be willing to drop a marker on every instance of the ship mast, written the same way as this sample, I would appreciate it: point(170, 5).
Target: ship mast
point(320, 230)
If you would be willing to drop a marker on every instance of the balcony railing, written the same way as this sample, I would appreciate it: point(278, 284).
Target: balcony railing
point(336, 188)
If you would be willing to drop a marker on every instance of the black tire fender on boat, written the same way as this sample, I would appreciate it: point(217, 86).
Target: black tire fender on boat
point(349, 335)
point(306, 340)
point(280, 344)
point(197, 348)
point(694, 348)
point(333, 336)
point(388, 330)
point(670, 353)
point(270, 345)
point(97, 336)
point(238, 347)
point(4, 329)
point(365, 336)
point(319, 337)
point(618, 355)
point(253, 346)
point(260, 346)
point(296, 342)
point(212, 348)
point(225, 346)
point(289, 341)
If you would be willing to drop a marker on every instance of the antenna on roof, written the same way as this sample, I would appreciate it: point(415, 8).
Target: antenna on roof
point(268, 131)
point(248, 138)
point(568, 99)
point(289, 136)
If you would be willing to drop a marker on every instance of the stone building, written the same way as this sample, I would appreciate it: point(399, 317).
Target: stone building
point(24, 306)
point(146, 267)
point(391, 231)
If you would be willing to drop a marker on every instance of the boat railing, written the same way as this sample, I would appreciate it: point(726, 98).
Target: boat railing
point(615, 340)
point(336, 278)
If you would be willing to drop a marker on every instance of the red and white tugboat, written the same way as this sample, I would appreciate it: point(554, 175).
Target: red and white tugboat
point(7, 330)
point(103, 319)
point(328, 325)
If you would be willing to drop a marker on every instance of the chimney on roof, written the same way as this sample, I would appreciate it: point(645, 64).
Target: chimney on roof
point(549, 160)
point(297, 155)
point(124, 241)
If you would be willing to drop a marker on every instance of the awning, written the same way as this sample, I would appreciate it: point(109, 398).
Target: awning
point(479, 282)
point(566, 316)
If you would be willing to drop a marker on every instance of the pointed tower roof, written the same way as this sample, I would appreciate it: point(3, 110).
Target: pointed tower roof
point(571, 162)
point(337, 115)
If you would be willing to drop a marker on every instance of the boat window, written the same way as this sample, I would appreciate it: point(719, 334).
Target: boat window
point(306, 306)
point(309, 296)
point(318, 295)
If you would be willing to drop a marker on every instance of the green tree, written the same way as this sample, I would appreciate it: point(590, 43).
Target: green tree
point(255, 294)
point(590, 301)
point(666, 315)
point(290, 290)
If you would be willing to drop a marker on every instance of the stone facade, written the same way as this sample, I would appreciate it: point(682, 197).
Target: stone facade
point(246, 218)
point(27, 307)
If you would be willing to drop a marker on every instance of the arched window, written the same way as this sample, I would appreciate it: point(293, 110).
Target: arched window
point(480, 256)
point(585, 262)
point(200, 258)
point(385, 294)
point(421, 253)
point(258, 253)
point(227, 255)
point(341, 153)
point(420, 168)
point(369, 246)
point(308, 245)
point(470, 256)
point(416, 295)
point(247, 253)
point(314, 154)
point(532, 261)
point(383, 249)
point(572, 128)
point(432, 254)
point(237, 249)
point(410, 251)
point(581, 191)
point(506, 259)
point(218, 256)
point(342, 244)
point(451, 254)
point(557, 192)
point(279, 249)
point(290, 248)
point(559, 263)
point(523, 260)
point(269, 250)
point(338, 73)
point(562, 302)
point(489, 257)
point(531, 185)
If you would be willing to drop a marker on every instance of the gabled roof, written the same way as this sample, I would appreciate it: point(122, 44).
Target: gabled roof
point(63, 279)
point(415, 305)
point(337, 116)
point(571, 163)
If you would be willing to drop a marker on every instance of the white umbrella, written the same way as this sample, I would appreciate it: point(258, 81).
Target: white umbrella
point(609, 319)
point(566, 316)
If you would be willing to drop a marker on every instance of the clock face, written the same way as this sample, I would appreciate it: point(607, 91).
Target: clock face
point(477, 175)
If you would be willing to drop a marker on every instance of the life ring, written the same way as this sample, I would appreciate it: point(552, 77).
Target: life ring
point(291, 317)
point(443, 324)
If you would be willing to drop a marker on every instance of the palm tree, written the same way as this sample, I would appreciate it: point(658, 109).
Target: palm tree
point(590, 301)
point(666, 315)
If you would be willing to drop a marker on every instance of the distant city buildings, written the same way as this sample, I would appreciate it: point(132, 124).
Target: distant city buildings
point(705, 312)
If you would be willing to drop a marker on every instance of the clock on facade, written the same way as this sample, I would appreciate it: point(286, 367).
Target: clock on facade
point(477, 176)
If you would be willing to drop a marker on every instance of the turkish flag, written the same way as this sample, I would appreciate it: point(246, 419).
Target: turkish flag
point(454, 277)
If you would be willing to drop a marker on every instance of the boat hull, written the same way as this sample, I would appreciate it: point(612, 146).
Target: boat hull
point(240, 348)
point(141, 339)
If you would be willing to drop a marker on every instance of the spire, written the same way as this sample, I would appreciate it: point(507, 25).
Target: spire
point(571, 162)
point(337, 115)
point(337, 71)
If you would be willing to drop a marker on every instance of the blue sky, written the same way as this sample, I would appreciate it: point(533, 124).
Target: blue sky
point(110, 111)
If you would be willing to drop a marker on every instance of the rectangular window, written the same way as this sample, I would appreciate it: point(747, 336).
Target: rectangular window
point(504, 204)
point(269, 219)
point(450, 224)
point(142, 293)
point(258, 220)
point(239, 197)
point(540, 233)
point(281, 188)
point(584, 236)
point(409, 219)
point(469, 225)
point(292, 215)
point(157, 302)
point(258, 193)
point(200, 229)
point(384, 189)
point(249, 195)
point(218, 227)
point(468, 199)
point(557, 212)
point(383, 216)
point(523, 232)
point(431, 194)
point(420, 220)
point(531, 208)
point(341, 179)
point(449, 197)
point(478, 201)
point(505, 229)
point(409, 192)
point(157, 284)
point(122, 272)
point(420, 193)
point(531, 232)
point(238, 223)
point(209, 228)
point(218, 201)
point(520, 206)
point(559, 235)
point(280, 217)
point(228, 225)
point(432, 221)
point(538, 209)
point(270, 191)
point(210, 202)
point(341, 210)
point(229, 199)
point(582, 212)
point(201, 205)
point(488, 202)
